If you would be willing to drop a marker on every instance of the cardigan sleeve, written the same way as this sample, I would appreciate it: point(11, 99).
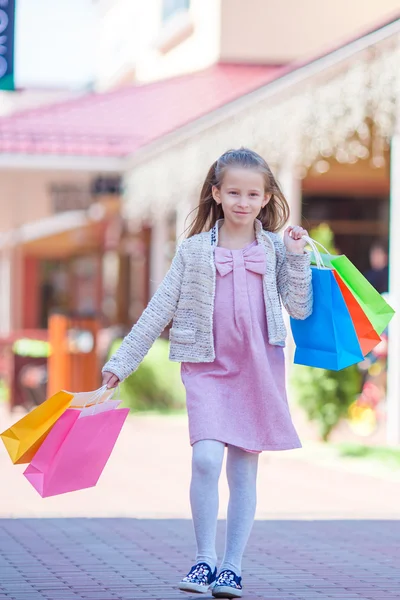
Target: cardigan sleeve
point(158, 313)
point(294, 281)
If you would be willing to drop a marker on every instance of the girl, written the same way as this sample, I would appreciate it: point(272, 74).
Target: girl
point(223, 293)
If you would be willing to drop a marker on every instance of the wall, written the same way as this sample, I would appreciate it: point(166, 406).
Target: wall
point(133, 41)
point(24, 195)
point(198, 50)
point(125, 30)
point(135, 46)
point(279, 32)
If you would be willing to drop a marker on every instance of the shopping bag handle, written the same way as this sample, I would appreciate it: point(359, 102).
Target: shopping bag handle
point(96, 396)
point(308, 239)
point(317, 254)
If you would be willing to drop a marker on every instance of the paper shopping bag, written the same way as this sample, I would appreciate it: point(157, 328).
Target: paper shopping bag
point(23, 439)
point(377, 310)
point(366, 334)
point(327, 338)
point(75, 452)
point(375, 307)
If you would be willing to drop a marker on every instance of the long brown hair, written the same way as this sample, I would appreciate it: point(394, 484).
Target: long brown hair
point(273, 216)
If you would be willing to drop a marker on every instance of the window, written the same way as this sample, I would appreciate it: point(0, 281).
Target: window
point(172, 7)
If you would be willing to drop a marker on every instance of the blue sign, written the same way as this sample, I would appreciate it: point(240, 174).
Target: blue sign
point(7, 21)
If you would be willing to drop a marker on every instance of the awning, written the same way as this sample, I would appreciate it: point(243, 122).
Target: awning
point(43, 228)
point(56, 237)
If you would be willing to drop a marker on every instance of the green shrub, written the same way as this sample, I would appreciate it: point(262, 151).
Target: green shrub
point(324, 235)
point(3, 391)
point(324, 395)
point(156, 385)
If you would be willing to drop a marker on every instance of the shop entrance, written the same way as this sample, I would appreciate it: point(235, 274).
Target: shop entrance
point(356, 221)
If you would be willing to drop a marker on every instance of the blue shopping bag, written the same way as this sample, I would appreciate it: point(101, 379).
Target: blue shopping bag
point(327, 338)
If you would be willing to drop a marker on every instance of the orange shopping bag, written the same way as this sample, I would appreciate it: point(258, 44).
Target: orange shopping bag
point(367, 336)
point(23, 439)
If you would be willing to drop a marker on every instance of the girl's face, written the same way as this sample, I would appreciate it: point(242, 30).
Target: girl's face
point(242, 195)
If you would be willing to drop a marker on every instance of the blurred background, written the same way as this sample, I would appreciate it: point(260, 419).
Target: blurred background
point(111, 112)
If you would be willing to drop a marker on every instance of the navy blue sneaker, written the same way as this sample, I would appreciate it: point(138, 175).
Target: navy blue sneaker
point(199, 579)
point(227, 585)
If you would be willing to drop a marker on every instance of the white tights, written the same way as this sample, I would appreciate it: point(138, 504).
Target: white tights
point(241, 470)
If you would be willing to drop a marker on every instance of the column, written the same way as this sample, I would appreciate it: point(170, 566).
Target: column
point(393, 381)
point(291, 187)
point(17, 290)
point(158, 251)
point(6, 291)
point(184, 218)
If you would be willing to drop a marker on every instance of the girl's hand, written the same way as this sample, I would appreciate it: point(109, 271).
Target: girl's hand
point(293, 239)
point(110, 380)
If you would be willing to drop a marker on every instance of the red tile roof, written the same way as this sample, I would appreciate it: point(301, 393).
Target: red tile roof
point(119, 122)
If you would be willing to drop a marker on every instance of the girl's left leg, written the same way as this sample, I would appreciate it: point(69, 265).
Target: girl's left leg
point(241, 470)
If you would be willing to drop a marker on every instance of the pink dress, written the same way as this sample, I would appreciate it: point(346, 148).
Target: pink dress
point(240, 398)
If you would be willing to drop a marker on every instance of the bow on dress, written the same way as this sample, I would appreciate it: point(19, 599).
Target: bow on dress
point(253, 257)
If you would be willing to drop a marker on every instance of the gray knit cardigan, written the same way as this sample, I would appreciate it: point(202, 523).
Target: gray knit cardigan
point(186, 296)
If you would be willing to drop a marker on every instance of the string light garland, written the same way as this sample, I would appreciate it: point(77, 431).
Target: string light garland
point(347, 113)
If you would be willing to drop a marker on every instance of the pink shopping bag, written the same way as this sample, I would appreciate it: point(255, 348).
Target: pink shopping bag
point(75, 452)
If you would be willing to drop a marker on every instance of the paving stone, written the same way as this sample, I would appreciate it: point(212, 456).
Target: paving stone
point(286, 560)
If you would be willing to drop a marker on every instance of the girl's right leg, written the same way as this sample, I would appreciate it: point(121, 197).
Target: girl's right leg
point(207, 461)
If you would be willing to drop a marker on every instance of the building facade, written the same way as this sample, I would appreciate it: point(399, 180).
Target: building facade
point(147, 41)
point(59, 242)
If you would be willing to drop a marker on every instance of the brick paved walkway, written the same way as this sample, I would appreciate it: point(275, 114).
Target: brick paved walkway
point(110, 559)
point(322, 531)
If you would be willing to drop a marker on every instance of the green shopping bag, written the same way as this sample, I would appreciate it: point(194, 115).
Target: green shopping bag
point(375, 307)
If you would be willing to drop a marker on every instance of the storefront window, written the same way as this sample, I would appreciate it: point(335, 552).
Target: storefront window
point(69, 286)
point(85, 278)
point(54, 289)
point(356, 221)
